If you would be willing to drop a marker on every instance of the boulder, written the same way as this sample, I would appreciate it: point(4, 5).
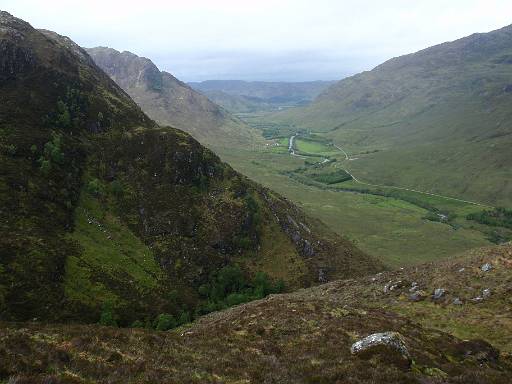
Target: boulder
point(438, 293)
point(486, 267)
point(388, 346)
point(391, 286)
point(418, 295)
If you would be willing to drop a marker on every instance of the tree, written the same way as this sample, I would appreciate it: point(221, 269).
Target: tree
point(63, 118)
point(164, 322)
point(184, 318)
point(107, 317)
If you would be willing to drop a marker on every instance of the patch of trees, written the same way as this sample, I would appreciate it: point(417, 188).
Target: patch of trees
point(498, 217)
point(225, 288)
point(69, 111)
point(52, 153)
point(337, 176)
point(163, 322)
point(229, 286)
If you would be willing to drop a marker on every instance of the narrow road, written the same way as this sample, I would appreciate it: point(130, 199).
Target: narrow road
point(341, 149)
point(347, 157)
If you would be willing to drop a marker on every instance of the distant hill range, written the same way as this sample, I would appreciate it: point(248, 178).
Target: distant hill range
point(169, 101)
point(439, 119)
point(249, 96)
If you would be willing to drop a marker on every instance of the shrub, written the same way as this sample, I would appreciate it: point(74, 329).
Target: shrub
point(95, 187)
point(499, 217)
point(11, 149)
point(184, 318)
point(63, 117)
point(52, 153)
point(46, 166)
point(137, 324)
point(117, 188)
point(164, 322)
point(107, 317)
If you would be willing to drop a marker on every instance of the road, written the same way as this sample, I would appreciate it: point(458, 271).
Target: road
point(347, 157)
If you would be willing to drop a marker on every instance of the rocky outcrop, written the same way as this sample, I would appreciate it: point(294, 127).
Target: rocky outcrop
point(389, 345)
point(14, 57)
point(128, 69)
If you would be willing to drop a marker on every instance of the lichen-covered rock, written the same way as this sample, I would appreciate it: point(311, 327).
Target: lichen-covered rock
point(418, 295)
point(387, 344)
point(438, 293)
point(486, 267)
point(457, 301)
point(391, 286)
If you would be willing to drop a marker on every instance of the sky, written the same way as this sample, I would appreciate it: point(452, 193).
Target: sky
point(278, 40)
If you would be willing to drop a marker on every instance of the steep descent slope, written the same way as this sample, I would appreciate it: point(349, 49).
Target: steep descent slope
point(303, 337)
point(102, 207)
point(440, 119)
point(172, 102)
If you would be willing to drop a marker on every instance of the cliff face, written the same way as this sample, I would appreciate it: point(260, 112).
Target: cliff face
point(101, 206)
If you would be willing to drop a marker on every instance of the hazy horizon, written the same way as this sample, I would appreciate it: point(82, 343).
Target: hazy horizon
point(264, 41)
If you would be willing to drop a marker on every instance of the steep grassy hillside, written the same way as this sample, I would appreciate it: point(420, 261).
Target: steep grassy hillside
point(441, 119)
point(172, 102)
point(249, 96)
point(303, 337)
point(103, 212)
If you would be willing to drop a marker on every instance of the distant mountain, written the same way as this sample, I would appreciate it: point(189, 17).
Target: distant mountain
point(250, 96)
point(441, 118)
point(172, 102)
point(105, 215)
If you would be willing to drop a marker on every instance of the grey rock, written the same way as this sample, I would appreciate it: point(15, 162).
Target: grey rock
point(486, 267)
point(308, 249)
point(418, 296)
point(392, 340)
point(322, 275)
point(486, 293)
point(391, 286)
point(438, 293)
point(457, 301)
point(414, 287)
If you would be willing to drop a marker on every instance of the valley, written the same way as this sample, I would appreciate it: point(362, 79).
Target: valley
point(243, 232)
point(401, 226)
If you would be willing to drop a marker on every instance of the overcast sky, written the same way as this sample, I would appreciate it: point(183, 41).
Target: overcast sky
point(288, 40)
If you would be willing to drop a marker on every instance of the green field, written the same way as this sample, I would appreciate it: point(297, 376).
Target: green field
point(310, 146)
point(392, 229)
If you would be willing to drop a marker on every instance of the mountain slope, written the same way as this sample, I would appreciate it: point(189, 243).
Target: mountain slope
point(440, 118)
point(305, 337)
point(250, 96)
point(103, 208)
point(172, 102)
